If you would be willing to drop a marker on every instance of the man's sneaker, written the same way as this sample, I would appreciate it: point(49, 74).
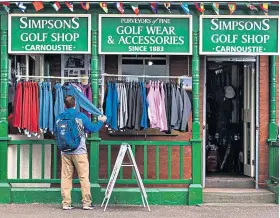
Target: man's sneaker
point(90, 207)
point(70, 207)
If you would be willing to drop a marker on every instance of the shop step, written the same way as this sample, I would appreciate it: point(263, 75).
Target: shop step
point(229, 182)
point(233, 195)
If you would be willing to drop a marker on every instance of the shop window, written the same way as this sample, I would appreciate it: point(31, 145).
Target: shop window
point(145, 65)
point(75, 65)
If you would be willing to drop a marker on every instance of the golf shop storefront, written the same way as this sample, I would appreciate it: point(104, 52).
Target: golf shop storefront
point(171, 80)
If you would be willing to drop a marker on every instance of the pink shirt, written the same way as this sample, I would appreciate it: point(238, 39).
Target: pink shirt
point(151, 108)
point(162, 112)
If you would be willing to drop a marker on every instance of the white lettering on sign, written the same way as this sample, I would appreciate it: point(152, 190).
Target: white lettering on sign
point(239, 49)
point(240, 35)
point(29, 22)
point(65, 37)
point(32, 37)
point(240, 25)
point(48, 47)
point(158, 30)
point(151, 40)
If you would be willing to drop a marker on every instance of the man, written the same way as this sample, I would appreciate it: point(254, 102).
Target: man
point(77, 158)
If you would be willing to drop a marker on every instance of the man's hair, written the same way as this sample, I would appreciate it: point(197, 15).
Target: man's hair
point(69, 101)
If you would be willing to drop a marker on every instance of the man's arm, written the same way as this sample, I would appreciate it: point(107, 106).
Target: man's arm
point(88, 125)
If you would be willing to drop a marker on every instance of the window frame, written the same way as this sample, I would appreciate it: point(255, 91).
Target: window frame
point(144, 58)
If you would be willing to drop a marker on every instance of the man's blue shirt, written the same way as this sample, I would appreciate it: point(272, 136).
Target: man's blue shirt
point(86, 123)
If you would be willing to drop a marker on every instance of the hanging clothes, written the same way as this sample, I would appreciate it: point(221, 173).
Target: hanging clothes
point(139, 107)
point(108, 107)
point(86, 90)
point(50, 122)
point(152, 105)
point(115, 106)
point(144, 118)
point(122, 112)
point(59, 100)
point(168, 105)
point(174, 108)
point(131, 105)
point(180, 108)
point(186, 110)
point(112, 106)
point(81, 100)
point(136, 106)
point(41, 102)
point(26, 108)
point(17, 109)
point(162, 112)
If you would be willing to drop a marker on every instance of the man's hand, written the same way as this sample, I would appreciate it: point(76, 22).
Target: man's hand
point(102, 118)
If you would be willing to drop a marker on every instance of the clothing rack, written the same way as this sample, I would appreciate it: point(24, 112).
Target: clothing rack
point(143, 76)
point(138, 76)
point(49, 77)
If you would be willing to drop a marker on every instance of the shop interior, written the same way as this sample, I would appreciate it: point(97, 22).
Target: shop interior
point(230, 118)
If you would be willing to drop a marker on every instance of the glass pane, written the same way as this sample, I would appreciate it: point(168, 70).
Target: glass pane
point(74, 61)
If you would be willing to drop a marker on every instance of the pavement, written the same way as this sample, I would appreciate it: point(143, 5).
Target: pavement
point(114, 211)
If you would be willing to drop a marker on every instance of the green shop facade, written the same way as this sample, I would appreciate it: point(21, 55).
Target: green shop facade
point(200, 48)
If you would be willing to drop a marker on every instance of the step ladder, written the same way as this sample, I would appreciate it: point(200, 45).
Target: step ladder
point(125, 148)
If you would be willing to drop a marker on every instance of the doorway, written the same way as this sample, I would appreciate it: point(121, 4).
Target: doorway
point(230, 117)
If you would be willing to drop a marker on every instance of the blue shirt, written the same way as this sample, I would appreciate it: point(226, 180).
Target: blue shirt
point(87, 124)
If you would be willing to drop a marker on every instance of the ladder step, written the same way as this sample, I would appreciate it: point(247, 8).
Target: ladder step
point(127, 165)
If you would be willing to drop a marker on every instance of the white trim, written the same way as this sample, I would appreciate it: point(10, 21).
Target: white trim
point(140, 16)
point(47, 16)
point(235, 53)
point(49, 77)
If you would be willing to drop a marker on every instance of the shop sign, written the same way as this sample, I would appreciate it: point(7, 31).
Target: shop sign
point(145, 34)
point(49, 33)
point(239, 35)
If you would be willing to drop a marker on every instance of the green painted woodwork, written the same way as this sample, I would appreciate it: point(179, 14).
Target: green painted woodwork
point(147, 143)
point(92, 159)
point(195, 189)
point(156, 196)
point(195, 194)
point(126, 34)
point(273, 170)
point(156, 181)
point(5, 196)
point(5, 193)
point(239, 35)
point(273, 143)
point(94, 142)
point(42, 180)
point(51, 33)
point(273, 128)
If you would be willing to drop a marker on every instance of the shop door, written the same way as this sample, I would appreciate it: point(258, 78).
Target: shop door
point(249, 109)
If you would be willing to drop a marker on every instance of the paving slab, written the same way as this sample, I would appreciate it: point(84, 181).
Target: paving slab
point(114, 211)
